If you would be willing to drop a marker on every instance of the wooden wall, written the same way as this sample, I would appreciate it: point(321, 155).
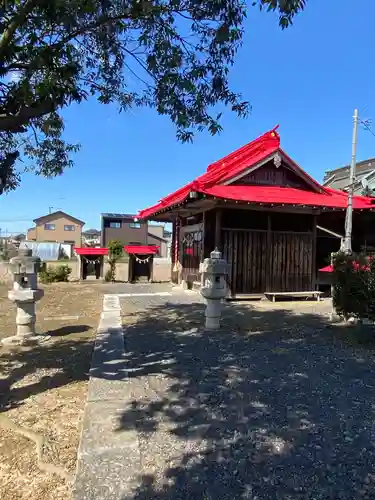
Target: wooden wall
point(267, 251)
point(268, 262)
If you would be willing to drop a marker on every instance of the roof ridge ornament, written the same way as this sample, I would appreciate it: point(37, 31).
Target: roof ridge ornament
point(277, 160)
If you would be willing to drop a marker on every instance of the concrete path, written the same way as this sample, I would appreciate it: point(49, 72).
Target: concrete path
point(280, 411)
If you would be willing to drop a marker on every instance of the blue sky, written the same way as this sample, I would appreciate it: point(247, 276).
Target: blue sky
point(308, 79)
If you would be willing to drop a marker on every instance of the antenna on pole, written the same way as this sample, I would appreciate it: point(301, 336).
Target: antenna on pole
point(349, 209)
point(53, 209)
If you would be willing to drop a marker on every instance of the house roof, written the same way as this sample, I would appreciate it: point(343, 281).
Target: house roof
point(344, 171)
point(94, 232)
point(59, 213)
point(216, 181)
point(341, 180)
point(118, 216)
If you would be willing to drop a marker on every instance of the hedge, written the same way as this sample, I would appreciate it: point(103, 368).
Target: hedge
point(354, 285)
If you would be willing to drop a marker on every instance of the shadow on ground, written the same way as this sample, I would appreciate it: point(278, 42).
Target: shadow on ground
point(272, 406)
point(64, 360)
point(62, 331)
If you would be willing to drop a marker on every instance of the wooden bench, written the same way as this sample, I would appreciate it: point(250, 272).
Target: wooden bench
point(313, 294)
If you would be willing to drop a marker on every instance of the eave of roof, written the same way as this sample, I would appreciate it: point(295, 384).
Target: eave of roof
point(275, 195)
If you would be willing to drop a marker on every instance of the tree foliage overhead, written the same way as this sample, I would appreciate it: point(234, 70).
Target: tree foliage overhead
point(172, 55)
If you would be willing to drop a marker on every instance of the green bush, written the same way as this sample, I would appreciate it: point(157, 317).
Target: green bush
point(354, 285)
point(115, 253)
point(55, 274)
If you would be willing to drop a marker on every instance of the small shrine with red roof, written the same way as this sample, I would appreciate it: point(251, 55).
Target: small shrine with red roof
point(275, 225)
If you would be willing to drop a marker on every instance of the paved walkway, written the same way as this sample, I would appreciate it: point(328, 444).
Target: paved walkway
point(276, 410)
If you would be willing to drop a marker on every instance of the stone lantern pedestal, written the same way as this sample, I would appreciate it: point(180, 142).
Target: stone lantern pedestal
point(25, 293)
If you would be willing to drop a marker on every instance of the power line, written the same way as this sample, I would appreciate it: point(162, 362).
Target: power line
point(367, 127)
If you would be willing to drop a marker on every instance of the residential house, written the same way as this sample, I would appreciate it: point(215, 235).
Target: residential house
point(123, 227)
point(159, 236)
point(364, 178)
point(57, 227)
point(91, 238)
point(131, 231)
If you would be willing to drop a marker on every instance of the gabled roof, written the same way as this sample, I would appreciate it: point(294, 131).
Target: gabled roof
point(215, 182)
point(94, 232)
point(58, 213)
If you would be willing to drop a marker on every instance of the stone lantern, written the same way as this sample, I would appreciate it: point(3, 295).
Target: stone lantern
point(214, 287)
point(25, 293)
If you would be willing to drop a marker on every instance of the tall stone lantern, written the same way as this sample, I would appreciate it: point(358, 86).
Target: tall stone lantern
point(214, 287)
point(25, 293)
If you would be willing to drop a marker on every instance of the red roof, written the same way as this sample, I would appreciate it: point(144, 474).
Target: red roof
point(141, 249)
point(220, 172)
point(327, 269)
point(130, 249)
point(91, 251)
point(287, 196)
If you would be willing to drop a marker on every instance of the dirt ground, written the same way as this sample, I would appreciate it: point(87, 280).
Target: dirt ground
point(43, 392)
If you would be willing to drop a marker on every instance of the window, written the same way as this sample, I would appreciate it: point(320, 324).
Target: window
point(69, 228)
point(135, 243)
point(135, 225)
point(115, 225)
point(49, 227)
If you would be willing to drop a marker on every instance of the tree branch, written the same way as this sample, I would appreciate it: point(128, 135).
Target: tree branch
point(18, 19)
point(18, 121)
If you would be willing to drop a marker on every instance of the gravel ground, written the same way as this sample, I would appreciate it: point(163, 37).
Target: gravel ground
point(43, 390)
point(276, 405)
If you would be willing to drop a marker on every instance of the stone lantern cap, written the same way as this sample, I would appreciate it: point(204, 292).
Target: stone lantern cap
point(24, 262)
point(214, 264)
point(215, 254)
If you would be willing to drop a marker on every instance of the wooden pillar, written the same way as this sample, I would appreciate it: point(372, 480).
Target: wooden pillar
point(314, 242)
point(79, 265)
point(219, 214)
point(175, 250)
point(151, 269)
point(203, 237)
point(178, 246)
point(269, 255)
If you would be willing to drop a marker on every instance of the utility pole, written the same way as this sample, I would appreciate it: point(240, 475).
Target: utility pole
point(349, 209)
